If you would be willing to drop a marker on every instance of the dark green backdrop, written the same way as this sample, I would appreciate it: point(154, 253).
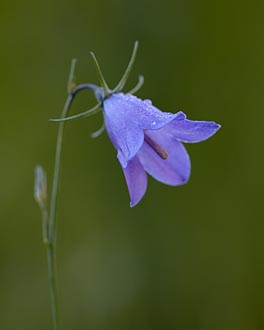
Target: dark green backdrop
point(187, 258)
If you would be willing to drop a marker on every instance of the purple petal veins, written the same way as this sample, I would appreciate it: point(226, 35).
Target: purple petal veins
point(149, 140)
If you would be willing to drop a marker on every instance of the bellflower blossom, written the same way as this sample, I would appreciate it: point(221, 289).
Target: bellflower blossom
point(150, 141)
point(147, 140)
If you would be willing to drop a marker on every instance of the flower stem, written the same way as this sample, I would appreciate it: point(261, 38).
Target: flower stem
point(51, 243)
point(51, 246)
point(53, 286)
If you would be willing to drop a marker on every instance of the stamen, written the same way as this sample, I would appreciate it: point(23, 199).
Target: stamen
point(156, 147)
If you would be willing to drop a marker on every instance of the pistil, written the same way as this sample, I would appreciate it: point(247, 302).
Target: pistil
point(156, 147)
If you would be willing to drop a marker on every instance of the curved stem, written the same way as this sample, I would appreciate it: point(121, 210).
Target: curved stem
point(51, 246)
point(52, 222)
point(52, 236)
point(52, 269)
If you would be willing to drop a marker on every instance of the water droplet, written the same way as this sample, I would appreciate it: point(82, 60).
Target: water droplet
point(147, 102)
point(153, 123)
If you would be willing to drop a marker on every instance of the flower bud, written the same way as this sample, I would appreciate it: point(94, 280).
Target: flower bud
point(40, 187)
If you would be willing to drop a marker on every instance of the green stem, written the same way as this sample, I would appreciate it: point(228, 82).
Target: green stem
point(54, 192)
point(51, 246)
point(53, 285)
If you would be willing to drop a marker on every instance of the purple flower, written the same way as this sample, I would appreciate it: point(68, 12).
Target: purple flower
point(148, 140)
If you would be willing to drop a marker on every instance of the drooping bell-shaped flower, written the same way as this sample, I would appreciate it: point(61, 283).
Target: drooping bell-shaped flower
point(147, 140)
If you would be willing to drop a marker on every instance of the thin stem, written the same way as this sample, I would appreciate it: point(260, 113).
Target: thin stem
point(52, 223)
point(51, 246)
point(52, 271)
point(71, 82)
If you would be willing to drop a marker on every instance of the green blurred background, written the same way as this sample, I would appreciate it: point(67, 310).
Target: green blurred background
point(187, 258)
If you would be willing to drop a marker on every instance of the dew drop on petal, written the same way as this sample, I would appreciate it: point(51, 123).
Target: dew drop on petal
point(147, 102)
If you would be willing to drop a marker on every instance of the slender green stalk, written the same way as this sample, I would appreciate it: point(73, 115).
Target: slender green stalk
point(54, 192)
point(49, 220)
point(52, 271)
point(51, 245)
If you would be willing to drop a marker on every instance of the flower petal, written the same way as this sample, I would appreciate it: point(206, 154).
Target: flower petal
point(175, 170)
point(136, 179)
point(126, 116)
point(190, 131)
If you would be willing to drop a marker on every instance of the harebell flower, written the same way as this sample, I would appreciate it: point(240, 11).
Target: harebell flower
point(147, 141)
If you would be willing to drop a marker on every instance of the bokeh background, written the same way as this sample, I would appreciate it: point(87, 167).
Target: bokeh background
point(187, 258)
